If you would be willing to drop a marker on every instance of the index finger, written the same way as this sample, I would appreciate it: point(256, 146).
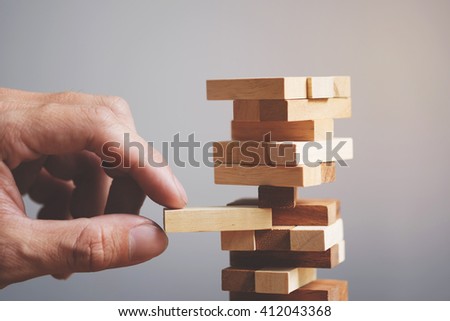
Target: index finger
point(51, 129)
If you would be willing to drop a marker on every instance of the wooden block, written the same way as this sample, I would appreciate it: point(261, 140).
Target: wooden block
point(276, 196)
point(318, 290)
point(238, 240)
point(281, 153)
point(342, 86)
point(268, 88)
point(316, 238)
point(282, 280)
point(291, 110)
point(305, 130)
point(296, 110)
point(328, 172)
point(289, 238)
point(320, 87)
point(246, 110)
point(309, 212)
point(241, 280)
point(225, 218)
point(300, 175)
point(267, 280)
point(278, 239)
point(260, 259)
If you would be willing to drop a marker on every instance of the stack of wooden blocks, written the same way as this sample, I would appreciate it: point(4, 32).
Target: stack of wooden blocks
point(282, 139)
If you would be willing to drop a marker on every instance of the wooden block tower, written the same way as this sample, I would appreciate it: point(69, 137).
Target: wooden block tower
point(282, 139)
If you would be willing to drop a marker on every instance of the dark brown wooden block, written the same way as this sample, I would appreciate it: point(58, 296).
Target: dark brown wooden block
point(318, 290)
point(238, 280)
point(276, 239)
point(261, 259)
point(276, 196)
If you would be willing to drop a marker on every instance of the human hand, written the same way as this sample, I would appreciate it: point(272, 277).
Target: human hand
point(51, 147)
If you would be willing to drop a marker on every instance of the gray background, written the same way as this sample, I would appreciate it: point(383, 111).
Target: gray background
point(158, 54)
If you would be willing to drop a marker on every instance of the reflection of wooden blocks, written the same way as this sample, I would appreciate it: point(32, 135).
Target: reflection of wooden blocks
point(318, 290)
point(312, 259)
point(300, 175)
point(281, 153)
point(305, 130)
point(285, 238)
point(278, 88)
point(267, 280)
point(208, 219)
point(291, 110)
point(277, 197)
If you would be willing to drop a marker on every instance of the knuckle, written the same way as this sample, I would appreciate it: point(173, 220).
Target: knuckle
point(118, 103)
point(91, 252)
point(101, 115)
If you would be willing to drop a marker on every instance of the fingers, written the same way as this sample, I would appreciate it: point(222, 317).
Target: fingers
point(58, 129)
point(10, 199)
point(125, 196)
point(81, 245)
point(26, 173)
point(55, 195)
point(91, 183)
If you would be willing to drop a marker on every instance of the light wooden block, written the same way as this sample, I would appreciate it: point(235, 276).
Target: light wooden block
point(291, 110)
point(300, 175)
point(305, 130)
point(316, 238)
point(318, 290)
point(210, 219)
point(238, 240)
point(311, 259)
point(281, 153)
point(282, 280)
point(267, 280)
point(342, 86)
point(268, 88)
point(290, 238)
point(277, 197)
point(320, 87)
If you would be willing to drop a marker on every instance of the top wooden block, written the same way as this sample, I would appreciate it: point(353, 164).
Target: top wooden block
point(279, 88)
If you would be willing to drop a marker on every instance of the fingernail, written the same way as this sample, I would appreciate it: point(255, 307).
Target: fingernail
point(181, 190)
point(145, 241)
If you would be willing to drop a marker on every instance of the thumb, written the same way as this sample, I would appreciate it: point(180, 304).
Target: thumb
point(85, 245)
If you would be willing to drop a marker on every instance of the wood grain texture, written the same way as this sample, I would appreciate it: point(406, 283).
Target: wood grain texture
point(342, 87)
point(318, 290)
point(267, 280)
point(291, 110)
point(241, 280)
point(276, 239)
point(274, 88)
point(238, 240)
point(287, 238)
point(277, 197)
point(316, 238)
point(300, 175)
point(209, 219)
point(312, 259)
point(281, 153)
point(305, 130)
point(320, 87)
point(309, 212)
point(282, 280)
